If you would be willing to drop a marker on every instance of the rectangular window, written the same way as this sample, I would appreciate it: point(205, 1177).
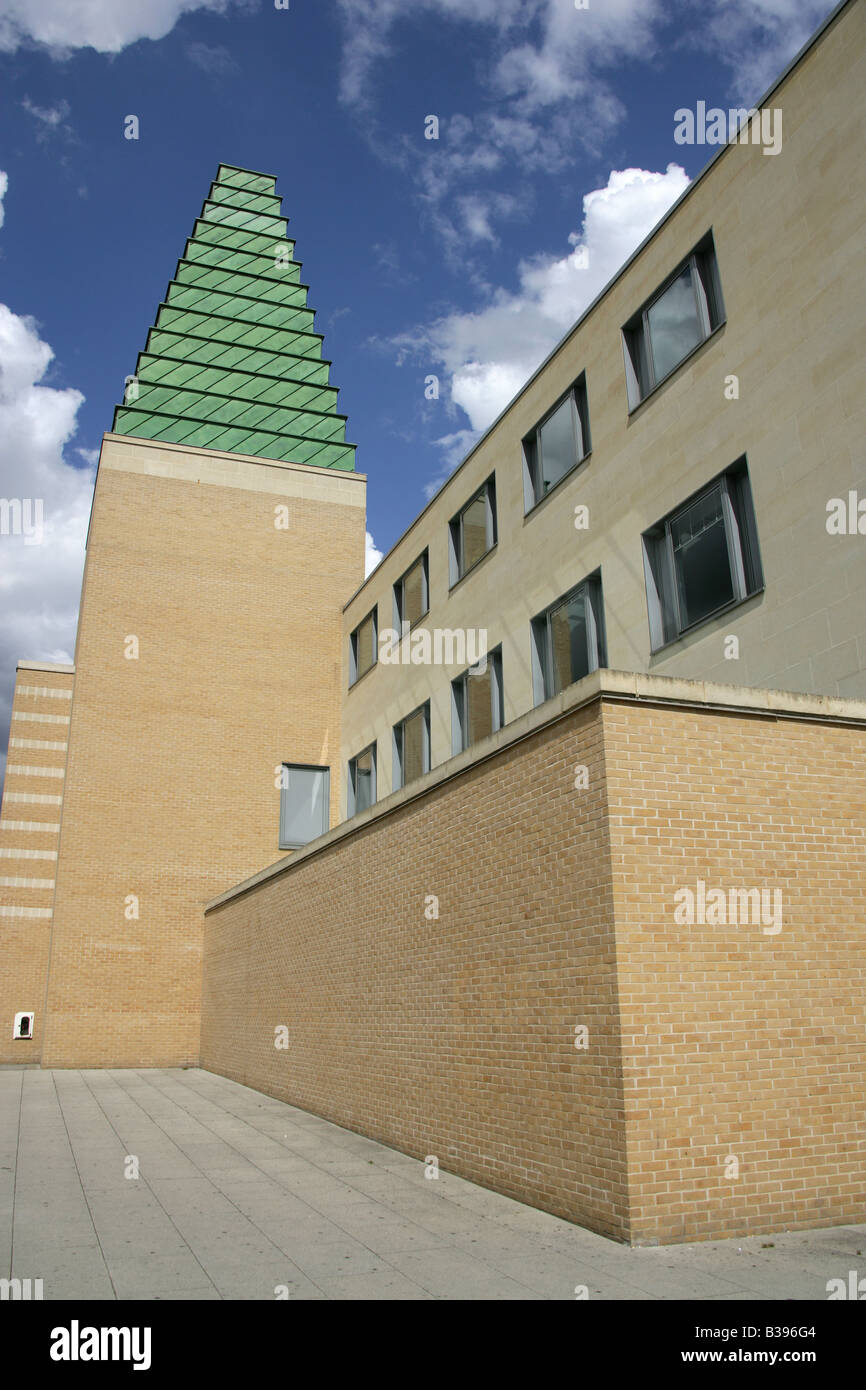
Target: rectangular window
point(362, 648)
point(472, 533)
point(477, 707)
point(568, 640)
point(677, 319)
point(362, 781)
point(412, 746)
point(703, 557)
point(411, 597)
point(304, 804)
point(557, 445)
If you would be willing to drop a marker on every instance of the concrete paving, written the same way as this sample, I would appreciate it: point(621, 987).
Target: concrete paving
point(239, 1196)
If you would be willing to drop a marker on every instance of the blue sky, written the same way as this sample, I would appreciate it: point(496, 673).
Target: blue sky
point(468, 256)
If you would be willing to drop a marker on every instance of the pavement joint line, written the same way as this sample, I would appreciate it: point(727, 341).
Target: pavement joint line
point(348, 1234)
point(155, 1197)
point(83, 1193)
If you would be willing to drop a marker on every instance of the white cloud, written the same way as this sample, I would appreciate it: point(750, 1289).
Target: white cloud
point(4, 184)
point(756, 38)
point(491, 353)
point(106, 25)
point(51, 120)
point(39, 583)
point(212, 58)
point(372, 555)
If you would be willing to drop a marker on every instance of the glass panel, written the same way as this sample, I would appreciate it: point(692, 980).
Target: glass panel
point(558, 447)
point(674, 325)
point(364, 791)
point(569, 639)
point(474, 532)
point(413, 606)
point(365, 647)
point(413, 747)
point(303, 804)
point(479, 716)
point(701, 559)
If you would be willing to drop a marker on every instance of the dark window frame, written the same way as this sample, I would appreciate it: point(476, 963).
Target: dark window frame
point(744, 557)
point(543, 669)
point(398, 592)
point(286, 843)
point(459, 720)
point(533, 483)
point(641, 377)
point(354, 674)
point(457, 567)
point(352, 779)
point(397, 746)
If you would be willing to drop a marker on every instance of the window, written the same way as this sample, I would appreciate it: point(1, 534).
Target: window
point(411, 598)
point(703, 557)
point(678, 318)
point(362, 648)
point(412, 746)
point(362, 781)
point(304, 804)
point(557, 445)
point(568, 640)
point(472, 532)
point(477, 703)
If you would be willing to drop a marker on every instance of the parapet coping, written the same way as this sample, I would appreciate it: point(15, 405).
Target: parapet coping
point(45, 666)
point(604, 684)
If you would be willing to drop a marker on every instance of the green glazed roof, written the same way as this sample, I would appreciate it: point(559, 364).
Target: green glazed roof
point(233, 361)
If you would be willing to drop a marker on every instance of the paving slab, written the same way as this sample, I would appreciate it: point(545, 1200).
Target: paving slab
point(241, 1196)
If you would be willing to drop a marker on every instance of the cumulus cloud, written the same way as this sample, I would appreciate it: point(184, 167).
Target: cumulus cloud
point(372, 555)
point(106, 25)
point(489, 354)
point(756, 38)
point(40, 564)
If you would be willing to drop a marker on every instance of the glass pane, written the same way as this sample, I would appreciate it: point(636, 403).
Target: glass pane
point(558, 446)
point(479, 718)
point(413, 594)
point(364, 796)
point(366, 651)
point(413, 747)
point(701, 560)
point(674, 325)
point(569, 638)
point(303, 805)
point(474, 532)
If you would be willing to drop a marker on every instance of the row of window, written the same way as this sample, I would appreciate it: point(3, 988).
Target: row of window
point(680, 316)
point(699, 560)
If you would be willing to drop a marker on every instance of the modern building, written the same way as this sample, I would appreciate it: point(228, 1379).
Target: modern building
point(540, 850)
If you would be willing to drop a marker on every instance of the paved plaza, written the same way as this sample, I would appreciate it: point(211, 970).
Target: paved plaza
point(239, 1196)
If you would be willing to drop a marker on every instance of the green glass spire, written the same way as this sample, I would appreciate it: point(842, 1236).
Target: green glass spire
point(233, 362)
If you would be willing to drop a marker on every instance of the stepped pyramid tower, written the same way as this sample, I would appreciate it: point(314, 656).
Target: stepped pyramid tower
point(226, 534)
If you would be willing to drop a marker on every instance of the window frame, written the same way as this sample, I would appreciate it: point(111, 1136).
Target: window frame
point(457, 568)
point(459, 721)
point(531, 444)
point(354, 674)
point(641, 379)
point(543, 672)
point(326, 803)
point(352, 784)
point(398, 591)
point(744, 557)
point(397, 748)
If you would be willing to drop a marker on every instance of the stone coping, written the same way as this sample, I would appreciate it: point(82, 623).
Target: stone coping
point(45, 666)
point(604, 684)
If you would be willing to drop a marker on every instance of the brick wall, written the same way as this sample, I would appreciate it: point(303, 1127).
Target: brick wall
point(29, 839)
point(455, 1037)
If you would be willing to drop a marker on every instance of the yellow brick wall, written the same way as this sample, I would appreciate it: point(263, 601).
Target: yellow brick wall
point(29, 839)
point(455, 1037)
point(171, 792)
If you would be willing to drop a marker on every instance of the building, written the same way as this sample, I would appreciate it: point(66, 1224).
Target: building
point(570, 887)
